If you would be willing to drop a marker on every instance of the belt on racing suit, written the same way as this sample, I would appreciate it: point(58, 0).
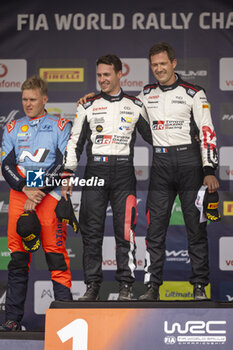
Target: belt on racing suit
point(109, 159)
point(179, 148)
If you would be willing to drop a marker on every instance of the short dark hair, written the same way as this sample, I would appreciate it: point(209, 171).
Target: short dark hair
point(110, 59)
point(161, 47)
point(35, 82)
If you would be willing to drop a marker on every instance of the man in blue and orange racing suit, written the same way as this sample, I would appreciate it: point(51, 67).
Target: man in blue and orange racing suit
point(36, 142)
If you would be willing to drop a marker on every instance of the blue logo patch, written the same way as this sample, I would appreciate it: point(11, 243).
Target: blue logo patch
point(35, 178)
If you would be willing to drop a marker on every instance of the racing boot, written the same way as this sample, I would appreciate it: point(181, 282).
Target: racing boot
point(125, 292)
point(152, 293)
point(10, 326)
point(199, 292)
point(92, 292)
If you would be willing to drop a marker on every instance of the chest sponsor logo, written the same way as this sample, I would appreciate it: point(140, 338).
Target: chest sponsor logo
point(24, 134)
point(126, 119)
point(124, 128)
point(99, 128)
point(178, 101)
point(168, 124)
point(108, 139)
point(99, 110)
point(158, 125)
point(191, 92)
point(120, 140)
point(99, 120)
point(24, 128)
point(46, 128)
point(126, 112)
point(38, 157)
point(103, 139)
point(153, 99)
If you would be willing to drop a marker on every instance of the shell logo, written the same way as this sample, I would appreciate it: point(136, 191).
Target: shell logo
point(24, 128)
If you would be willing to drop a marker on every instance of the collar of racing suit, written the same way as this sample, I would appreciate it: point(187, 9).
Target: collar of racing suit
point(112, 98)
point(171, 87)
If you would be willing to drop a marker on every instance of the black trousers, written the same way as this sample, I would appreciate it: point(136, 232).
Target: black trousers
point(120, 190)
point(177, 171)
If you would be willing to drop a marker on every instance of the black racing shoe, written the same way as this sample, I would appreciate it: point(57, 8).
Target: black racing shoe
point(199, 292)
point(125, 292)
point(92, 292)
point(152, 293)
point(10, 326)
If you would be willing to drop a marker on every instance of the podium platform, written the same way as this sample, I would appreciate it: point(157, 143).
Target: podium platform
point(136, 325)
point(137, 304)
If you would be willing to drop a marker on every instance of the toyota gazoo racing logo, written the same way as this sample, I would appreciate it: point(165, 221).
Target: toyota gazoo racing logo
point(3, 70)
point(196, 332)
point(158, 125)
point(103, 139)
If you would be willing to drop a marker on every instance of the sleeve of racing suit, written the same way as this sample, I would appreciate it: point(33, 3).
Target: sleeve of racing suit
point(143, 126)
point(8, 161)
point(202, 117)
point(54, 171)
point(77, 140)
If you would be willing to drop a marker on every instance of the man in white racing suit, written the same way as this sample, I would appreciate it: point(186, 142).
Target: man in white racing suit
point(178, 112)
point(108, 122)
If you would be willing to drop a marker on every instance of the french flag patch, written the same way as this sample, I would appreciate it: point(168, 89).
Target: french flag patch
point(104, 159)
point(164, 150)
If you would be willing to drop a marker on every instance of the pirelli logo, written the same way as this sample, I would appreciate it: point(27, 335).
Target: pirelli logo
point(228, 208)
point(62, 75)
point(212, 205)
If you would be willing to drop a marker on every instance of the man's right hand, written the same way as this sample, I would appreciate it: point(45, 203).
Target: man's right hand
point(66, 189)
point(34, 194)
point(83, 99)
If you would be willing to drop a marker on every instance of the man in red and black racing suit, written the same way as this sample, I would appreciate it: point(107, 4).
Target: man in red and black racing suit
point(34, 142)
point(177, 111)
point(108, 122)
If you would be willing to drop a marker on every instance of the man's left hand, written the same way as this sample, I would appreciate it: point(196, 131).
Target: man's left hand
point(212, 183)
point(29, 205)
